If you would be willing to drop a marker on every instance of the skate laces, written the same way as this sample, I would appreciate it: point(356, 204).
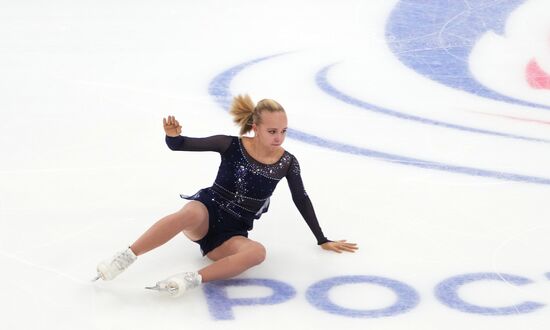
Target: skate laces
point(192, 279)
point(123, 260)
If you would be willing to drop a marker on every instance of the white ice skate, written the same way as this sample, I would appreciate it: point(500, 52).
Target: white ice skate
point(109, 269)
point(177, 284)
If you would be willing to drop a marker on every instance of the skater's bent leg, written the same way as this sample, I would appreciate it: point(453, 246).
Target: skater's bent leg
point(232, 258)
point(192, 219)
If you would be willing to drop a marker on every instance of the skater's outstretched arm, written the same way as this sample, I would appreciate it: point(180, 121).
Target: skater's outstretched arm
point(172, 128)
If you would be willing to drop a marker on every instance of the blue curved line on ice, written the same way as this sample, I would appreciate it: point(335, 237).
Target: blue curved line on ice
point(219, 86)
point(219, 89)
point(435, 38)
point(327, 87)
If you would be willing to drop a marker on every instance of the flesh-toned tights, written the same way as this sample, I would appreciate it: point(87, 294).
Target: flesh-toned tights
point(233, 257)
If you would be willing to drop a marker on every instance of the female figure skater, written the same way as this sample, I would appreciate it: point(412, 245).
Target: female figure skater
point(218, 218)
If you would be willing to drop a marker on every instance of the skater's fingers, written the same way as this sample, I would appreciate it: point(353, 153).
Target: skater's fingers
point(350, 245)
point(343, 245)
point(348, 249)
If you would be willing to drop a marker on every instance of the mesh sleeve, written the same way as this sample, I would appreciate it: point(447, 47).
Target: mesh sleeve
point(217, 143)
point(303, 202)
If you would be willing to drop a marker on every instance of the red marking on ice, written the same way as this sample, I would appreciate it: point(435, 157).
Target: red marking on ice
point(537, 121)
point(536, 77)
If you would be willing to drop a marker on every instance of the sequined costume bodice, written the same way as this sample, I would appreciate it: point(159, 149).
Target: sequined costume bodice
point(246, 184)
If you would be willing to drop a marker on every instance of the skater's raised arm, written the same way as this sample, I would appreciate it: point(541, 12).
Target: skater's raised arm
point(172, 128)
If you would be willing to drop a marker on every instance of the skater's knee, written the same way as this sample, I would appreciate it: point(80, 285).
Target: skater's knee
point(193, 220)
point(192, 214)
point(256, 253)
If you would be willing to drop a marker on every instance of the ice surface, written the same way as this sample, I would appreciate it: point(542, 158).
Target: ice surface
point(452, 223)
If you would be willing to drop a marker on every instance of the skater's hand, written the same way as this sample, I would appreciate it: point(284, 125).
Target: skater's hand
point(171, 126)
point(340, 246)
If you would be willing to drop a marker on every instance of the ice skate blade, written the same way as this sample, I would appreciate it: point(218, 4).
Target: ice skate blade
point(171, 291)
point(156, 288)
point(96, 278)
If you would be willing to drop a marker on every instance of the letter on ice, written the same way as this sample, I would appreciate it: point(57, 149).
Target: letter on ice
point(221, 305)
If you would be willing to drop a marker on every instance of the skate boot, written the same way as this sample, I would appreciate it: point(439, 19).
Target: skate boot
point(109, 269)
point(177, 284)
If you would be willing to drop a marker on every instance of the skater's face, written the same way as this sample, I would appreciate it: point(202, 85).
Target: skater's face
point(271, 132)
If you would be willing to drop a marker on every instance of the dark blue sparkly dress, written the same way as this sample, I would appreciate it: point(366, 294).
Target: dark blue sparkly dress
point(240, 194)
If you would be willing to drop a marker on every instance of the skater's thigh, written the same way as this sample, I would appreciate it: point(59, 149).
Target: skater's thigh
point(195, 214)
point(235, 245)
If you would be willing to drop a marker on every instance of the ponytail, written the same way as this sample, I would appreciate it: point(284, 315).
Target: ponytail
point(242, 110)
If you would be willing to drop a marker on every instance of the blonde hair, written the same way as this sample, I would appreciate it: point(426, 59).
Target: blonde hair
point(245, 113)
